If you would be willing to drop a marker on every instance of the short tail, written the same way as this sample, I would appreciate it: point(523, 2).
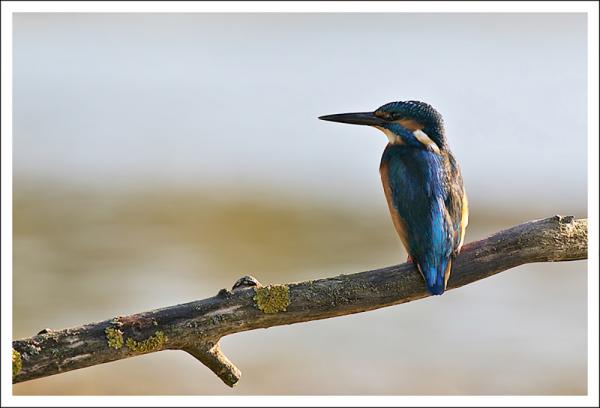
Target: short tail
point(436, 278)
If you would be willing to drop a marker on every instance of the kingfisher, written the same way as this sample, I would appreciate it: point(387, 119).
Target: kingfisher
point(422, 183)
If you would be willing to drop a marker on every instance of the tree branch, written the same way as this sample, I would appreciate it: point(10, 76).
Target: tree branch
point(196, 327)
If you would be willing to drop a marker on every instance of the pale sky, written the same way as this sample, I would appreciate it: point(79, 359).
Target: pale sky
point(233, 99)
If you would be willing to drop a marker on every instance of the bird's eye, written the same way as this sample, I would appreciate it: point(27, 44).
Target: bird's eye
point(383, 115)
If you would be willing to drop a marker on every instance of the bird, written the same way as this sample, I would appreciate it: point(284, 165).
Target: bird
point(423, 185)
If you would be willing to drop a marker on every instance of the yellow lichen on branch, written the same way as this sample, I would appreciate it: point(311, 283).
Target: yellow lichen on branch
point(116, 340)
point(114, 337)
point(272, 298)
point(17, 363)
point(152, 343)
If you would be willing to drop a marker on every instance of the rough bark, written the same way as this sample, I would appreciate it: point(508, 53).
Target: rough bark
point(196, 327)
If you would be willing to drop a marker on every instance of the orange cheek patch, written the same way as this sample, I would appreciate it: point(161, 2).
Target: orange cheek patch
point(410, 124)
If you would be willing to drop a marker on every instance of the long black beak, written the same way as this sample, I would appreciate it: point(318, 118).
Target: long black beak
point(359, 118)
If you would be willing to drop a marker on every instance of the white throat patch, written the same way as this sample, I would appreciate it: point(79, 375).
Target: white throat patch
point(392, 137)
point(421, 136)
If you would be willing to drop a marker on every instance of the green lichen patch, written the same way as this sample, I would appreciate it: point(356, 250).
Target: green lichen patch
point(17, 363)
point(152, 343)
point(272, 298)
point(114, 337)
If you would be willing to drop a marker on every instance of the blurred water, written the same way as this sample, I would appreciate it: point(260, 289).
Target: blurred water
point(159, 157)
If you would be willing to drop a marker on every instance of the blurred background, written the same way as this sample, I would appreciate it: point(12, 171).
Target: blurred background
point(159, 157)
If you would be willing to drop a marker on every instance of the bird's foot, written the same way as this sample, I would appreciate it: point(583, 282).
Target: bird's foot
point(409, 259)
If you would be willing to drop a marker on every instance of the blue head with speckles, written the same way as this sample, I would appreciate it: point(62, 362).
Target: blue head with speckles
point(421, 115)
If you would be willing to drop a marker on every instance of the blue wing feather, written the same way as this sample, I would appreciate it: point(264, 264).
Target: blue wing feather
point(419, 196)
